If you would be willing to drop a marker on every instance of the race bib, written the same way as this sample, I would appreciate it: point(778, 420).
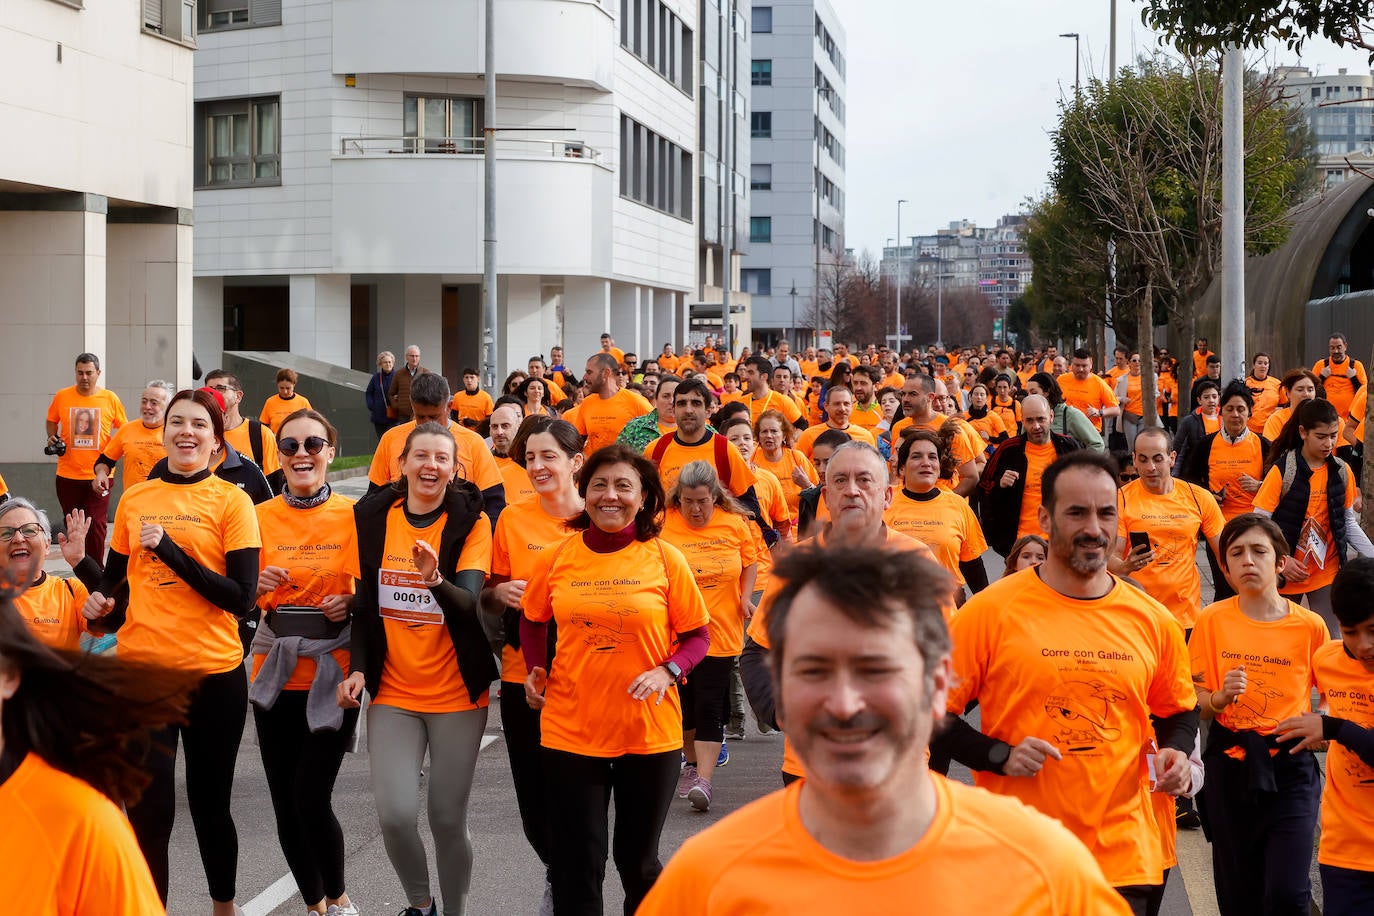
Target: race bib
point(402, 596)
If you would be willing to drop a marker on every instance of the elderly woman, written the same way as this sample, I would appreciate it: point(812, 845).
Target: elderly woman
point(51, 606)
point(379, 408)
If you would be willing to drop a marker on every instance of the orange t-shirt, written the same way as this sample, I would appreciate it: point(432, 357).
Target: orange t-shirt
point(677, 456)
point(1265, 391)
point(1225, 464)
point(1277, 656)
point(474, 460)
point(319, 548)
point(782, 469)
point(718, 553)
point(475, 407)
point(1279, 418)
point(1165, 382)
point(1084, 675)
point(1200, 363)
point(1038, 458)
point(944, 523)
point(4, 488)
point(758, 627)
point(1009, 411)
point(67, 849)
point(1339, 389)
point(763, 859)
point(773, 400)
point(421, 672)
point(773, 505)
point(519, 489)
point(807, 440)
point(1347, 839)
point(277, 408)
point(601, 419)
point(667, 362)
point(989, 427)
point(618, 615)
point(730, 397)
point(1174, 521)
point(1358, 406)
point(169, 623)
point(1091, 392)
point(868, 417)
point(896, 380)
point(140, 447)
point(242, 441)
point(52, 611)
point(1321, 564)
point(86, 424)
point(524, 533)
point(1134, 400)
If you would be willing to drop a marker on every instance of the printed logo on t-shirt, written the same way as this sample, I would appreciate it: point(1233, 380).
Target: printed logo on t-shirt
point(83, 428)
point(601, 625)
point(1082, 713)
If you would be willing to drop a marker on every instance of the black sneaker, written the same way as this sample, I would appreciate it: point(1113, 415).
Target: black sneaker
point(1185, 815)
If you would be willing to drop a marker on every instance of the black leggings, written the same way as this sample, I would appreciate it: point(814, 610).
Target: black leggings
point(301, 767)
point(706, 698)
point(520, 725)
point(211, 735)
point(580, 791)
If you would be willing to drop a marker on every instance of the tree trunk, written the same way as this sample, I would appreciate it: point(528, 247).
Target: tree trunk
point(1145, 343)
point(1185, 365)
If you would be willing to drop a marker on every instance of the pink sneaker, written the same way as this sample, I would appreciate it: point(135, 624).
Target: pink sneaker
point(700, 794)
point(687, 779)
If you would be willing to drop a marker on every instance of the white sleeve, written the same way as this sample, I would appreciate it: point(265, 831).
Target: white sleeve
point(1355, 535)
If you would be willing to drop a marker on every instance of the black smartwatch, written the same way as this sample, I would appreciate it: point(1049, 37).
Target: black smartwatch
point(998, 755)
point(674, 670)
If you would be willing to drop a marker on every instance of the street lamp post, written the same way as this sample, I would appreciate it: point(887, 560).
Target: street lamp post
point(1074, 36)
point(899, 275)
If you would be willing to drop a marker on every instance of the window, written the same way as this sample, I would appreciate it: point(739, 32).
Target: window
point(761, 73)
point(760, 177)
point(763, 19)
point(760, 228)
point(446, 125)
point(173, 19)
point(654, 171)
point(239, 142)
point(652, 32)
point(757, 281)
point(238, 14)
point(761, 124)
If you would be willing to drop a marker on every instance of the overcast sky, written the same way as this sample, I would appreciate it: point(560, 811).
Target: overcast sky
point(950, 104)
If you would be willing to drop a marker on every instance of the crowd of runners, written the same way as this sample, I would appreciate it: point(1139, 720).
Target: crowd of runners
point(624, 552)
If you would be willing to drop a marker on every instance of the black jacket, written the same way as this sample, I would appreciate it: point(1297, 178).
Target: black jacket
point(237, 469)
point(475, 661)
point(1196, 468)
point(999, 508)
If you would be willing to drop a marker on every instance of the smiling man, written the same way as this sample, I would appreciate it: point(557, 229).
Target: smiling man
point(860, 665)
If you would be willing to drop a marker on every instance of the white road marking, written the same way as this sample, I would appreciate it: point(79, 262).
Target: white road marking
point(284, 888)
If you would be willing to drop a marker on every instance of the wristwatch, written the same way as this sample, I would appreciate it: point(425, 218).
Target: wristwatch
point(674, 670)
point(998, 755)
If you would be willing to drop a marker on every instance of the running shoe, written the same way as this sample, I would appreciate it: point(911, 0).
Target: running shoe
point(1185, 815)
point(431, 910)
point(700, 794)
point(724, 756)
point(734, 732)
point(686, 780)
point(336, 909)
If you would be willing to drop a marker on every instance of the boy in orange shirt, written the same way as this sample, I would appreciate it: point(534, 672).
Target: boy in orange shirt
point(860, 664)
point(1345, 677)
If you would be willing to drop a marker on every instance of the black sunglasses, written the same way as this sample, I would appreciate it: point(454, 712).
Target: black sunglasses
point(313, 445)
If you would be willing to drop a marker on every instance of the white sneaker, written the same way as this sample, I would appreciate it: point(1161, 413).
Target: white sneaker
point(336, 910)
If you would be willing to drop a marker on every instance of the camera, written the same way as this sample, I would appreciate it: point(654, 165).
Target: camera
point(58, 448)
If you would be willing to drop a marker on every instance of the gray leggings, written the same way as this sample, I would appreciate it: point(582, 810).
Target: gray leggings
point(396, 743)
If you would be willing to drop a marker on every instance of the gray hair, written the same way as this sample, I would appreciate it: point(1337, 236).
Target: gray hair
point(385, 354)
point(703, 474)
point(164, 385)
point(19, 502)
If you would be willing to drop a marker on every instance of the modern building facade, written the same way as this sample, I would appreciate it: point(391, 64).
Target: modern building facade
point(339, 177)
point(95, 207)
point(723, 144)
point(965, 255)
point(797, 162)
point(1340, 110)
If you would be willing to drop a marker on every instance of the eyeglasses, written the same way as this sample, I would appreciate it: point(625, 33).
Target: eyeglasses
point(313, 445)
point(223, 389)
point(30, 531)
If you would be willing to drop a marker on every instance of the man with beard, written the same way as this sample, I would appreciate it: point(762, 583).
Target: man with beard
point(1069, 665)
point(505, 420)
point(860, 663)
point(608, 406)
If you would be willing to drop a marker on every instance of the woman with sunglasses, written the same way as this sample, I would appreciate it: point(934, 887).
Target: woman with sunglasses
point(300, 653)
point(188, 544)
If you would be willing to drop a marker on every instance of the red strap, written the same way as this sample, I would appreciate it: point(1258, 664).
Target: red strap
point(661, 446)
point(723, 460)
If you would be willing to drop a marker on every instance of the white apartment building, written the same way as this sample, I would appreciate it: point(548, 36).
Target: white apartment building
point(95, 207)
point(797, 162)
point(964, 254)
point(1340, 110)
point(339, 177)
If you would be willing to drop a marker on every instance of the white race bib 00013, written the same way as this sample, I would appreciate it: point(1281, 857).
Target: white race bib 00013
point(402, 596)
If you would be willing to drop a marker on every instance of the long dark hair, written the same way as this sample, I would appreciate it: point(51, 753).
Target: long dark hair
point(569, 440)
point(89, 716)
point(1308, 414)
point(400, 486)
point(1050, 386)
point(649, 519)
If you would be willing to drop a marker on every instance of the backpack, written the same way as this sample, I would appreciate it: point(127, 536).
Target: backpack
point(277, 479)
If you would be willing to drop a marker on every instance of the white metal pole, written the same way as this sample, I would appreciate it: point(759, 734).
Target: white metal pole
point(1233, 216)
point(489, 354)
point(899, 276)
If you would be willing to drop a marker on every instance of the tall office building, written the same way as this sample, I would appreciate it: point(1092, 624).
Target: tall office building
point(339, 177)
point(723, 105)
point(1340, 110)
point(95, 208)
point(796, 168)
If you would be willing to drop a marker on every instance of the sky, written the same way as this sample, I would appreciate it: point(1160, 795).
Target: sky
point(950, 104)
